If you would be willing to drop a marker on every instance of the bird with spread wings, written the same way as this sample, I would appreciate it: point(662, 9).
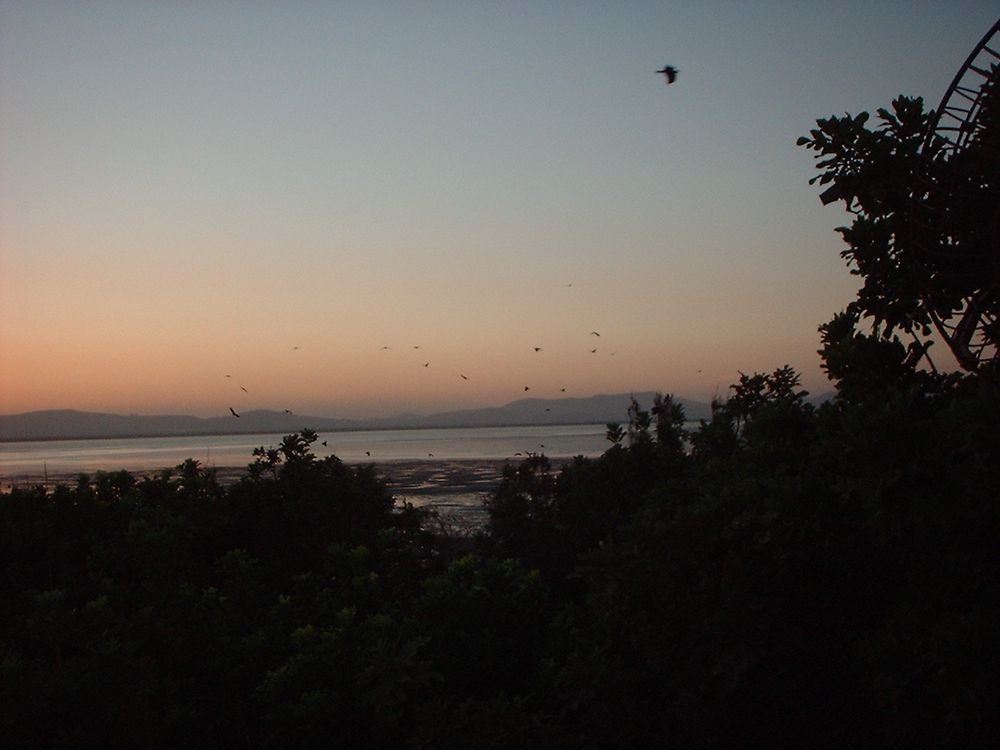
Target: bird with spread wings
point(669, 72)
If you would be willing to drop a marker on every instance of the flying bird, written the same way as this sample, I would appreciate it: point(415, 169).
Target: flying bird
point(228, 376)
point(427, 364)
point(323, 443)
point(593, 351)
point(384, 348)
point(538, 348)
point(463, 377)
point(288, 411)
point(231, 409)
point(244, 389)
point(594, 333)
point(527, 388)
point(669, 72)
point(562, 390)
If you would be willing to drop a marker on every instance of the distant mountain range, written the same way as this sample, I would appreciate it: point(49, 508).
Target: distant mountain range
point(69, 424)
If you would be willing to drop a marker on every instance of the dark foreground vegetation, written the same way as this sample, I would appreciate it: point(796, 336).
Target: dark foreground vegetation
point(785, 576)
point(799, 577)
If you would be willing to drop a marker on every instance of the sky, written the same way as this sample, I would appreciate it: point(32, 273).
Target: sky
point(207, 205)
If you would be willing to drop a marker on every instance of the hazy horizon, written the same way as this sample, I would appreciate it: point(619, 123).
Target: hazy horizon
point(361, 417)
point(318, 200)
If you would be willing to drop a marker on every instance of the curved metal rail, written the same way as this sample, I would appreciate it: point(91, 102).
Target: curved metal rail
point(955, 120)
point(954, 125)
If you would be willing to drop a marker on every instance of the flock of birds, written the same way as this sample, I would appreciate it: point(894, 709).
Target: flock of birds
point(669, 73)
point(462, 375)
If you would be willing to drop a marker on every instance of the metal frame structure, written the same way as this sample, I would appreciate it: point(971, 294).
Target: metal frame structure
point(955, 125)
point(955, 120)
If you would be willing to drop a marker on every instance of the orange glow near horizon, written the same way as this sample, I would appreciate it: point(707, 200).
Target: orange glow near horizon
point(141, 337)
point(189, 377)
point(189, 193)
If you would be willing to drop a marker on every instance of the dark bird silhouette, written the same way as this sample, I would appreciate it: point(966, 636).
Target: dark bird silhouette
point(594, 333)
point(669, 72)
point(323, 443)
point(463, 377)
point(562, 390)
point(527, 388)
point(427, 364)
point(295, 347)
point(233, 411)
point(547, 409)
point(384, 348)
point(228, 376)
point(368, 453)
point(431, 455)
point(288, 411)
point(593, 351)
point(538, 348)
point(244, 389)
point(416, 346)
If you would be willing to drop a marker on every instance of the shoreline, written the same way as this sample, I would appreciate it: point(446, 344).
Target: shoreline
point(326, 431)
point(405, 478)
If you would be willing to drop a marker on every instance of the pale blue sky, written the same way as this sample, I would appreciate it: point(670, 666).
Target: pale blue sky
point(189, 189)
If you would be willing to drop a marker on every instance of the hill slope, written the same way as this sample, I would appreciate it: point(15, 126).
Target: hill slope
point(67, 424)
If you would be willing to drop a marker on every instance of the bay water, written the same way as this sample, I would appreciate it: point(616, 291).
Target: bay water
point(25, 462)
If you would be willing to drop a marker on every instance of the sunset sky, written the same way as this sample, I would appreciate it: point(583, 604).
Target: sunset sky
point(190, 190)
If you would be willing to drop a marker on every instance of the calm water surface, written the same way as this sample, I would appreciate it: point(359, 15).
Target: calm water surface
point(21, 461)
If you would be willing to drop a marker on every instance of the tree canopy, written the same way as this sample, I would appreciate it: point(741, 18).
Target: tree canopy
point(925, 237)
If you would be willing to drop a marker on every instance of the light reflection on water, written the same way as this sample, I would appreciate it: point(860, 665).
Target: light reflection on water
point(23, 460)
point(460, 513)
point(464, 468)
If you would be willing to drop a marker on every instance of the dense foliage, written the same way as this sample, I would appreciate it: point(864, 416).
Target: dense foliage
point(785, 575)
point(925, 232)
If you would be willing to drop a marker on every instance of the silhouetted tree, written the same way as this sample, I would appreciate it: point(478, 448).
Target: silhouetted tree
point(925, 238)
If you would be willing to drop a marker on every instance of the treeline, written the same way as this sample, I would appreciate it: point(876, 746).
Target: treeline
point(784, 576)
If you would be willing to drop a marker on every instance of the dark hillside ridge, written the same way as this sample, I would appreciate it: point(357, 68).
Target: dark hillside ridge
point(68, 424)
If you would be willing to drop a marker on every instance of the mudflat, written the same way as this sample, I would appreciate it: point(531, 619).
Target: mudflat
point(405, 478)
